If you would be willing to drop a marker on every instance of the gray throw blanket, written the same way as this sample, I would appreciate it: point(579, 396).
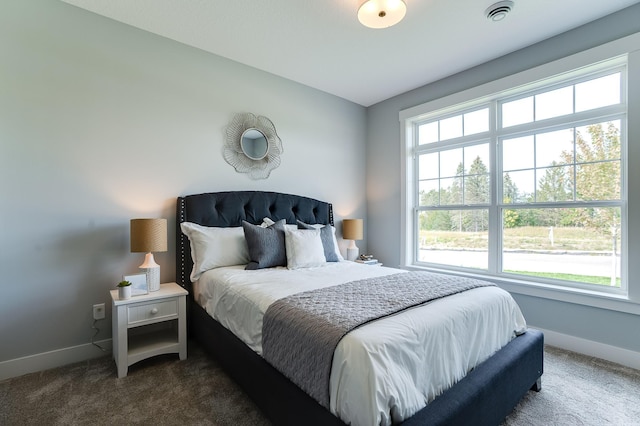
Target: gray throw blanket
point(300, 332)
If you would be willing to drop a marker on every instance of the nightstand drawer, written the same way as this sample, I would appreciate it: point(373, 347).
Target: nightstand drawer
point(151, 312)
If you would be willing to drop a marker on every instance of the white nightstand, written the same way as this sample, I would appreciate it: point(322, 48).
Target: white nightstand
point(141, 313)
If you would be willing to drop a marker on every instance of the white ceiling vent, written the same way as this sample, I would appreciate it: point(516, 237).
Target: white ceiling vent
point(499, 11)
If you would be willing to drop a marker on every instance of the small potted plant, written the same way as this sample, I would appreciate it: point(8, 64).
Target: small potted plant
point(124, 290)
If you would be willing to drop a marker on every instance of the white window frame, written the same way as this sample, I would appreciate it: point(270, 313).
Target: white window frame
point(603, 57)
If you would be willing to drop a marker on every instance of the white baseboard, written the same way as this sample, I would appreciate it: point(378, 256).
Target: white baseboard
point(615, 354)
point(46, 360)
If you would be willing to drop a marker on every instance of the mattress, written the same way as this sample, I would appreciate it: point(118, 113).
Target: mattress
point(386, 370)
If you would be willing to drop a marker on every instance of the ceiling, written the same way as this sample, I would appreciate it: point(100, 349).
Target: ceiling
point(321, 44)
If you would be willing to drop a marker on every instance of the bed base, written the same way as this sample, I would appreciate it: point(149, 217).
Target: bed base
point(491, 391)
point(484, 397)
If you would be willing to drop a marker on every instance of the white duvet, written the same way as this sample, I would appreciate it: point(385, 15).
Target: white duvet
point(384, 371)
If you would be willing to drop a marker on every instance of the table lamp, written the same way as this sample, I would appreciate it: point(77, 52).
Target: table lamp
point(352, 229)
point(148, 236)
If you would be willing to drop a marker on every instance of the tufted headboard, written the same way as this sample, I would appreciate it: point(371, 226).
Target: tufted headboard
point(229, 209)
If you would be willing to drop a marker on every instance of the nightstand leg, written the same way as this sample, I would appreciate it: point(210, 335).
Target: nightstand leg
point(122, 370)
point(120, 344)
point(182, 328)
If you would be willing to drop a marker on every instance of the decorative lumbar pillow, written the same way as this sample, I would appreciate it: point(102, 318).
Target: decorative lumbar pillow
point(266, 245)
point(327, 235)
point(213, 247)
point(304, 248)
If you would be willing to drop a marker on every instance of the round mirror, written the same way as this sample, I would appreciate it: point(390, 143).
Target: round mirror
point(254, 144)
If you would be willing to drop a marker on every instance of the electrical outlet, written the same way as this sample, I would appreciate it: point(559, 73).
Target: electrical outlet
point(98, 311)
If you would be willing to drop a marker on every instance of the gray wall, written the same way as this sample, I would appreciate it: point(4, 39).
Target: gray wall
point(101, 123)
point(384, 174)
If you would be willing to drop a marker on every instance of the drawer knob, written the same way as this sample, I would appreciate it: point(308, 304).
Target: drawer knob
point(154, 311)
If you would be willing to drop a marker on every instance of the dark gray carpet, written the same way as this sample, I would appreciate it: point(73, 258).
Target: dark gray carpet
point(157, 391)
point(576, 390)
point(581, 390)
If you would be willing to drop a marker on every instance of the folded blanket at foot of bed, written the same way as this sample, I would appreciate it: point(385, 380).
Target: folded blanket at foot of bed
point(300, 332)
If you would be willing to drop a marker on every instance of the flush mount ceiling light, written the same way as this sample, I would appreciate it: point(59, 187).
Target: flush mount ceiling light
point(498, 11)
point(381, 13)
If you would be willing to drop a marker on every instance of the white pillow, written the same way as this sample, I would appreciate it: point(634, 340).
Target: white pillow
point(304, 248)
point(336, 248)
point(213, 247)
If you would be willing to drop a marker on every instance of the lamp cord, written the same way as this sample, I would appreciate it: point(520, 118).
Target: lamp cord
point(93, 326)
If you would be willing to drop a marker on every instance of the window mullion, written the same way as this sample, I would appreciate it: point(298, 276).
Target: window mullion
point(416, 197)
point(495, 228)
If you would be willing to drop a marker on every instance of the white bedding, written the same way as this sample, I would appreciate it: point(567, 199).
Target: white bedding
point(413, 355)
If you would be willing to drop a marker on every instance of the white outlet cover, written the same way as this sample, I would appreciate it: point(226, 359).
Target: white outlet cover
point(98, 311)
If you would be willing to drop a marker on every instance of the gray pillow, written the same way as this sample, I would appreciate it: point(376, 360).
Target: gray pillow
point(266, 245)
point(326, 236)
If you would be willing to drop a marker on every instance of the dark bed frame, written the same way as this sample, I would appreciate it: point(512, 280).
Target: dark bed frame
point(484, 397)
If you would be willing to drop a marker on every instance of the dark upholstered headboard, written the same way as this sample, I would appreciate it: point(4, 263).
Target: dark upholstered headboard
point(228, 209)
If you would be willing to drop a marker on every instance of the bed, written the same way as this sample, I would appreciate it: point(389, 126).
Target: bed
point(485, 395)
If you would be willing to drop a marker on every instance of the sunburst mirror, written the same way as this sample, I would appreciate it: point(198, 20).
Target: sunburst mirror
point(252, 145)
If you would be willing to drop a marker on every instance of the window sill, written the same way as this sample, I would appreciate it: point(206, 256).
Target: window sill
point(613, 302)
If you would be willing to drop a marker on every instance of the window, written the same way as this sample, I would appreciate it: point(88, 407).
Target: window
point(527, 184)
